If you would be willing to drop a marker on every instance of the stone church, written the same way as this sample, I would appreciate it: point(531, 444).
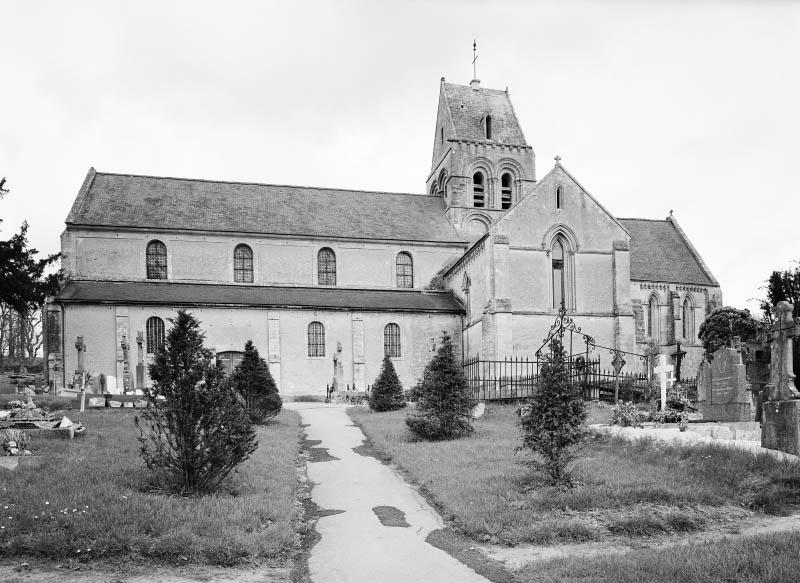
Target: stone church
point(489, 253)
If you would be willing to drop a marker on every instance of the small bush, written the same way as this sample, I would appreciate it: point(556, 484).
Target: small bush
point(196, 429)
point(387, 392)
point(626, 414)
point(444, 405)
point(552, 422)
point(252, 379)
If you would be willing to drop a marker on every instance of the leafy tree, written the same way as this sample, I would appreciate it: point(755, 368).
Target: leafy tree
point(23, 283)
point(444, 406)
point(723, 324)
point(782, 286)
point(387, 392)
point(196, 429)
point(252, 379)
point(552, 422)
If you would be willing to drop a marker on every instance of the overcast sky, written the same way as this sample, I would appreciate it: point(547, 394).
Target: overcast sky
point(653, 106)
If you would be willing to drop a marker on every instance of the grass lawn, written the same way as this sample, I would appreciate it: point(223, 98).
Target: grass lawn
point(623, 489)
point(89, 501)
point(773, 558)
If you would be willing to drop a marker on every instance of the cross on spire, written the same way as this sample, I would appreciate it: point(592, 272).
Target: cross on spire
point(558, 160)
point(474, 59)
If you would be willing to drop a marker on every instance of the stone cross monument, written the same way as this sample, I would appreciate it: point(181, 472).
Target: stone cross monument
point(338, 369)
point(140, 360)
point(780, 426)
point(781, 379)
point(664, 372)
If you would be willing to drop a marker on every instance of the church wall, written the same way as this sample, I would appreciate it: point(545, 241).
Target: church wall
point(96, 325)
point(530, 332)
point(295, 372)
point(119, 255)
point(530, 223)
point(594, 283)
point(670, 318)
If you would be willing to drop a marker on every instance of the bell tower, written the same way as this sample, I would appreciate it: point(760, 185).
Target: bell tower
point(481, 165)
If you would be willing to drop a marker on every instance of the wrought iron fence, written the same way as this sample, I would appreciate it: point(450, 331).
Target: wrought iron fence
point(518, 378)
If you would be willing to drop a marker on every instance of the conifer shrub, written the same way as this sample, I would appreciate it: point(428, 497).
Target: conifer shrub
point(253, 381)
point(196, 429)
point(552, 422)
point(444, 403)
point(387, 392)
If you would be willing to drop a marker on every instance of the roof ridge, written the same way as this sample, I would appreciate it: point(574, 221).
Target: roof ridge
point(639, 219)
point(475, 88)
point(254, 286)
point(248, 183)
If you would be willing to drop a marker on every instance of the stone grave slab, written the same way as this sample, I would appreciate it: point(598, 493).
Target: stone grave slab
point(722, 388)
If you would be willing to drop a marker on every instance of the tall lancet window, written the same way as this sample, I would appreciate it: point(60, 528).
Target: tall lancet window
point(559, 289)
point(478, 191)
point(652, 317)
point(688, 320)
point(488, 127)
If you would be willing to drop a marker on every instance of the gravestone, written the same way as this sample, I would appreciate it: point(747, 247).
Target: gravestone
point(723, 392)
point(780, 426)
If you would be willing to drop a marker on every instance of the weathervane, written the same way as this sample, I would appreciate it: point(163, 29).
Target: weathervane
point(474, 58)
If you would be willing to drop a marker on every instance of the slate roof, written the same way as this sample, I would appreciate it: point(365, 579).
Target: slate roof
point(477, 103)
point(123, 200)
point(660, 252)
point(197, 294)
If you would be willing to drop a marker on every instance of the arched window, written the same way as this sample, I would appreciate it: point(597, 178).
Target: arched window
point(156, 260)
point(688, 320)
point(326, 267)
point(558, 197)
point(505, 191)
point(488, 127)
point(243, 264)
point(405, 270)
point(652, 317)
point(229, 360)
point(316, 339)
point(559, 287)
point(155, 334)
point(442, 188)
point(478, 191)
point(391, 340)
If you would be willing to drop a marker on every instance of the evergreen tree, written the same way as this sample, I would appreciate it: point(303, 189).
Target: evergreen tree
point(23, 283)
point(252, 379)
point(444, 406)
point(552, 422)
point(387, 392)
point(195, 430)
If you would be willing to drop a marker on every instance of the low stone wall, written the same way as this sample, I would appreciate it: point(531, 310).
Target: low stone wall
point(704, 434)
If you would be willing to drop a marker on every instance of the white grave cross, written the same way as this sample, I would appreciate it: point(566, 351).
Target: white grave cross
point(664, 371)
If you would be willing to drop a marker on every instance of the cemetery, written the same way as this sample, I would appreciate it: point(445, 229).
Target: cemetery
point(492, 375)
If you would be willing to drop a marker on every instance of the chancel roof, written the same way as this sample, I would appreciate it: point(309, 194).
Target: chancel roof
point(661, 252)
point(200, 294)
point(470, 105)
point(124, 200)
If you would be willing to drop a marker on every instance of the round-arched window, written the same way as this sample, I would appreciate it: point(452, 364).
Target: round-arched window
point(243, 264)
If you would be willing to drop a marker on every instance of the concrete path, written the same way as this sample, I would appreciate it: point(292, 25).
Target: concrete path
point(355, 546)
